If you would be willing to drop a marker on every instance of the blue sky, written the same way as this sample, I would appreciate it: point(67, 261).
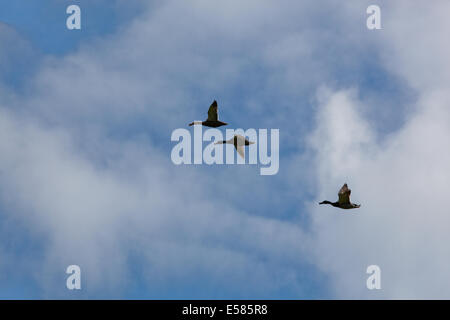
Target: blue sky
point(40, 22)
point(85, 169)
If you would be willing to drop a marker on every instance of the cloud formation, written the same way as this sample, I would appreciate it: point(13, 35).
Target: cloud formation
point(85, 154)
point(402, 179)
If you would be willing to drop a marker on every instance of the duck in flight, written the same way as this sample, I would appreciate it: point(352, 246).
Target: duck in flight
point(344, 199)
point(213, 118)
point(239, 142)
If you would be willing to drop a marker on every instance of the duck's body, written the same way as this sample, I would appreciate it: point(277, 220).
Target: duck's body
point(213, 118)
point(344, 199)
point(212, 124)
point(239, 142)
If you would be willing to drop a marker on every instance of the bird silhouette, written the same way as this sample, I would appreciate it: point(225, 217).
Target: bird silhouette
point(213, 118)
point(239, 142)
point(344, 199)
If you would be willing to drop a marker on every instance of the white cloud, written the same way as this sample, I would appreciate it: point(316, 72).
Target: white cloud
point(402, 183)
point(77, 168)
point(95, 216)
point(402, 179)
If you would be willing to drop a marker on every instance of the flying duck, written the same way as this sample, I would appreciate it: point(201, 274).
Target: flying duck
point(344, 199)
point(213, 118)
point(239, 142)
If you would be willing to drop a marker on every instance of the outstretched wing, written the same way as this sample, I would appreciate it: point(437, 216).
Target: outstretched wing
point(212, 112)
point(239, 140)
point(344, 194)
point(240, 150)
